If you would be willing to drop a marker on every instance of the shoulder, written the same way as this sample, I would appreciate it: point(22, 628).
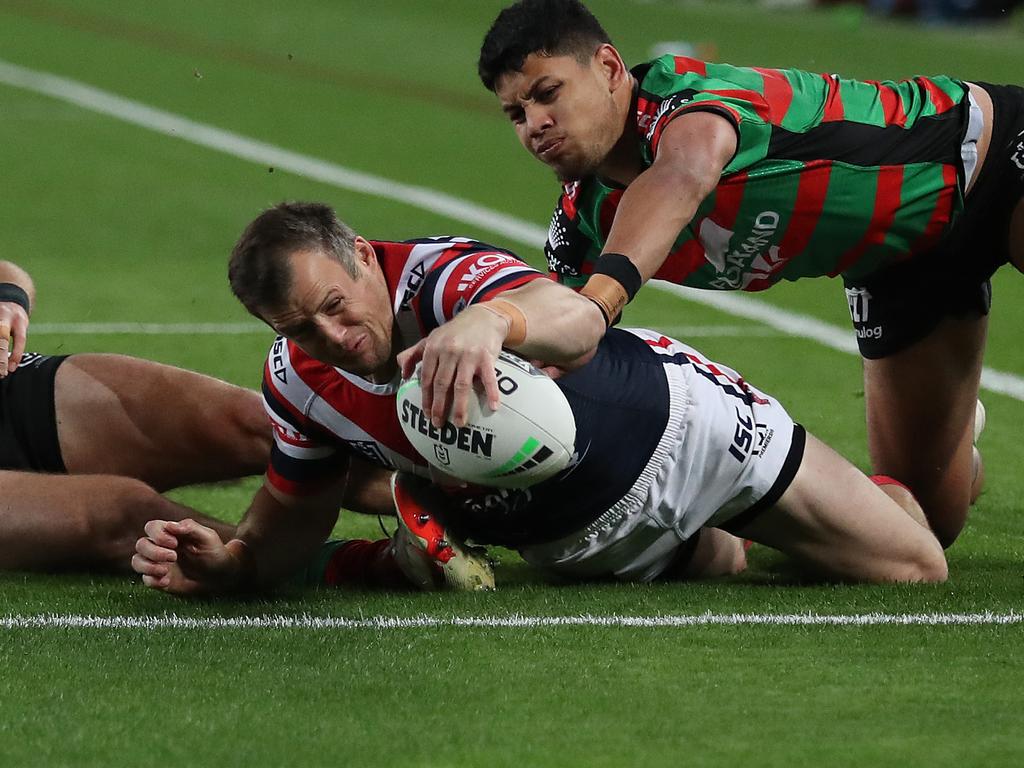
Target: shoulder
point(291, 379)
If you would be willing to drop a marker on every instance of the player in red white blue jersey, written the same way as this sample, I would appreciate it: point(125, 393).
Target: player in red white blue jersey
point(668, 442)
point(727, 177)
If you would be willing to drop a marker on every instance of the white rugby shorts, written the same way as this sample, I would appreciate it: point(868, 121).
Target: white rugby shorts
point(728, 452)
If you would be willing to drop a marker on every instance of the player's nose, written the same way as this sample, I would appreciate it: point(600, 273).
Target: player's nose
point(538, 120)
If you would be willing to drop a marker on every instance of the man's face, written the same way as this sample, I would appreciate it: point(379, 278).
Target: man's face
point(564, 111)
point(339, 319)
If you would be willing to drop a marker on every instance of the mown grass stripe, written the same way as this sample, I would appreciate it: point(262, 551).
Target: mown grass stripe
point(515, 621)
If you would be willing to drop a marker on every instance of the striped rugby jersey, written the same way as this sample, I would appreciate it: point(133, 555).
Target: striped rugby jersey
point(320, 412)
point(831, 176)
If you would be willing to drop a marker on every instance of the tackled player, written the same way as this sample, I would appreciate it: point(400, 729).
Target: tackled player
point(705, 448)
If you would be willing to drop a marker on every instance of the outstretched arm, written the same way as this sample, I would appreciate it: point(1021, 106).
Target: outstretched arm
point(692, 154)
point(278, 535)
point(17, 297)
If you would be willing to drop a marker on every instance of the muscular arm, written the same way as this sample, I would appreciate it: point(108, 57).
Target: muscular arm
point(278, 535)
point(368, 490)
point(694, 150)
point(282, 533)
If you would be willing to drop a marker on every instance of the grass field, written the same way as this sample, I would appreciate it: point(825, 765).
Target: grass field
point(120, 223)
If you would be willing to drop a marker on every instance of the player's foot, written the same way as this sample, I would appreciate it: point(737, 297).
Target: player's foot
point(424, 550)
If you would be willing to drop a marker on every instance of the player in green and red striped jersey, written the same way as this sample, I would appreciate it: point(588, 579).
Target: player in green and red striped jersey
point(727, 177)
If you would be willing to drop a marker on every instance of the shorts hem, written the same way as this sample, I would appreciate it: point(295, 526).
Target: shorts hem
point(788, 472)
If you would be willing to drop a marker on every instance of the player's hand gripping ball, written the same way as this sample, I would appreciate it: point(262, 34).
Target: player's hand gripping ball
point(530, 438)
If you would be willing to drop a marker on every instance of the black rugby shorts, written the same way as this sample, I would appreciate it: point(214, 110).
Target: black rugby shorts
point(900, 305)
point(28, 418)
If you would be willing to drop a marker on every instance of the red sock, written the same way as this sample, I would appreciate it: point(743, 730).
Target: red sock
point(886, 480)
point(363, 563)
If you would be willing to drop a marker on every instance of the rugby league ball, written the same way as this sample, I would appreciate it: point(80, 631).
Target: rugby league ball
point(530, 438)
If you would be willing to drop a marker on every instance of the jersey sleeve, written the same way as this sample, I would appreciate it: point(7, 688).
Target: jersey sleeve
point(675, 86)
point(302, 462)
point(572, 245)
point(469, 276)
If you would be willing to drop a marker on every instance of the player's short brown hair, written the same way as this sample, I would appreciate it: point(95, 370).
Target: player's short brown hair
point(259, 272)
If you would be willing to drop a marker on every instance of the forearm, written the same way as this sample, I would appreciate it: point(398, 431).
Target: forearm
point(12, 273)
point(278, 539)
point(653, 211)
point(369, 489)
point(558, 325)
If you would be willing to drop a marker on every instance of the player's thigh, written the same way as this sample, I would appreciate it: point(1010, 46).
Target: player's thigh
point(920, 416)
point(834, 518)
point(168, 426)
point(61, 521)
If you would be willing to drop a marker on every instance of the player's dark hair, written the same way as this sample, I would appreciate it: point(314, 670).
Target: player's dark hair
point(259, 271)
point(548, 27)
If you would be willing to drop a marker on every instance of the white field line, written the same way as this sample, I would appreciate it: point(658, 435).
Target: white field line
point(515, 621)
point(427, 199)
point(149, 329)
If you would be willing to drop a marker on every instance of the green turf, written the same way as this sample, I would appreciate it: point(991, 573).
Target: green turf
point(121, 224)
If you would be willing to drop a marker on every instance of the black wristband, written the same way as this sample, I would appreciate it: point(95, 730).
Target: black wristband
point(15, 294)
point(621, 269)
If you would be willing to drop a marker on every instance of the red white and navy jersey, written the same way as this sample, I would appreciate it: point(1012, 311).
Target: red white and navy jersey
point(321, 413)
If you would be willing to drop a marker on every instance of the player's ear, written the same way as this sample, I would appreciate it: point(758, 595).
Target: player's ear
point(612, 66)
point(365, 254)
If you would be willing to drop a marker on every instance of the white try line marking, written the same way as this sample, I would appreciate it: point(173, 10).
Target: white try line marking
point(515, 621)
point(427, 199)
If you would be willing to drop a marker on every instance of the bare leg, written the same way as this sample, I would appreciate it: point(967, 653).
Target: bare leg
point(835, 519)
point(717, 553)
point(59, 521)
point(166, 426)
point(920, 415)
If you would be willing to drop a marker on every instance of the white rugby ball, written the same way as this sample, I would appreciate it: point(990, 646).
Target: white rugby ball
point(530, 438)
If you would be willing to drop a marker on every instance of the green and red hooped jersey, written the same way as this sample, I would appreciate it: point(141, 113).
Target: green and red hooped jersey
point(831, 176)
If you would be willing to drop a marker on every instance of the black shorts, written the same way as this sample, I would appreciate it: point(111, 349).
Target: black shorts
point(900, 305)
point(28, 418)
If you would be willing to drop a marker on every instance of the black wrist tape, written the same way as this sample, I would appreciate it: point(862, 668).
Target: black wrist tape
point(621, 269)
point(14, 293)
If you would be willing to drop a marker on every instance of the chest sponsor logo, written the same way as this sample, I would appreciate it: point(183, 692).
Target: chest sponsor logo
point(754, 257)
